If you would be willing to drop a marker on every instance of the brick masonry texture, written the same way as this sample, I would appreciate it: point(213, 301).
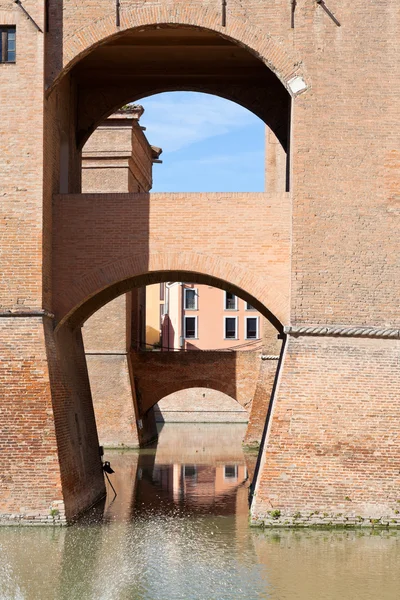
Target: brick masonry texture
point(240, 375)
point(129, 240)
point(332, 445)
point(336, 241)
point(199, 405)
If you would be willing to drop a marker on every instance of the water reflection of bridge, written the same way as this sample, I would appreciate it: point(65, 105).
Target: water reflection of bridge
point(209, 475)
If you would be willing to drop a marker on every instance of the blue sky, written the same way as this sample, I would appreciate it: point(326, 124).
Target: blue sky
point(209, 144)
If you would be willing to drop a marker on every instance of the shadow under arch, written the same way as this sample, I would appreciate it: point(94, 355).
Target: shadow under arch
point(80, 313)
point(240, 62)
point(280, 58)
point(271, 104)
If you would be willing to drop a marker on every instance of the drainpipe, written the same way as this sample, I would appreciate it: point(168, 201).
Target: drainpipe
point(182, 336)
point(168, 286)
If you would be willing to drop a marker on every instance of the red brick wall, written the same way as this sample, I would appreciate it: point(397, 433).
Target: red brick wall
point(30, 449)
point(129, 240)
point(112, 400)
point(21, 164)
point(331, 453)
point(261, 400)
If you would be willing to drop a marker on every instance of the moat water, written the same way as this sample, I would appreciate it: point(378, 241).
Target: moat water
point(178, 529)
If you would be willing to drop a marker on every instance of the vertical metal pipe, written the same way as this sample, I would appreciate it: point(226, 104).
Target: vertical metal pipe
point(294, 3)
point(224, 3)
point(117, 16)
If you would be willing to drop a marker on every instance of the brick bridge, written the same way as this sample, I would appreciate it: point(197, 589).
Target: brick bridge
point(317, 254)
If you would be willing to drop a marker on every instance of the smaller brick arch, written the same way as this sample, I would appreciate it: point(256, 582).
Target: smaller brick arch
point(216, 385)
point(159, 374)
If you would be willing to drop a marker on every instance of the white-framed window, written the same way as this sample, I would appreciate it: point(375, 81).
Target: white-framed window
point(230, 472)
point(230, 301)
point(7, 43)
point(249, 306)
point(251, 328)
point(230, 328)
point(191, 296)
point(190, 328)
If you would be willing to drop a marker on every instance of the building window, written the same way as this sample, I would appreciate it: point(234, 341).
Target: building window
point(251, 324)
point(231, 472)
point(230, 328)
point(162, 292)
point(230, 301)
point(190, 327)
point(190, 298)
point(7, 44)
point(190, 471)
point(249, 306)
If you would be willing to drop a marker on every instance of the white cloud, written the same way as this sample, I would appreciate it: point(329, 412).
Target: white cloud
point(176, 120)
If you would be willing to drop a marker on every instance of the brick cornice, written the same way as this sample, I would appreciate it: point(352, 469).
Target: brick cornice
point(342, 331)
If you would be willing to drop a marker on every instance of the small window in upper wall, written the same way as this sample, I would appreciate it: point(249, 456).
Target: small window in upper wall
point(7, 44)
point(230, 301)
point(249, 306)
point(190, 298)
point(251, 328)
point(162, 291)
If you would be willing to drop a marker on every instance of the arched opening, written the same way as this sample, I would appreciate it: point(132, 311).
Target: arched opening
point(199, 405)
point(107, 242)
point(127, 383)
point(143, 61)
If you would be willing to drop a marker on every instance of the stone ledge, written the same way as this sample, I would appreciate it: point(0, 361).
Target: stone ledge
point(342, 331)
point(324, 520)
point(55, 516)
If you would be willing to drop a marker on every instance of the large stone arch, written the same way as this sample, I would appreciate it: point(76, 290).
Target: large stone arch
point(77, 302)
point(279, 58)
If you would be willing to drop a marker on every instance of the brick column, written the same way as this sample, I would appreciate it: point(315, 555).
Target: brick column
point(50, 465)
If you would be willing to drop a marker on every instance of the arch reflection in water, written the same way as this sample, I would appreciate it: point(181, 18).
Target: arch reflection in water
point(191, 545)
point(195, 469)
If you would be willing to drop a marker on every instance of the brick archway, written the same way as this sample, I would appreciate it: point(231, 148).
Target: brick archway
point(80, 298)
point(280, 59)
point(216, 385)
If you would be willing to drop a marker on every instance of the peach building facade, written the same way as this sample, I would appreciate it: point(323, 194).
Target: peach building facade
point(202, 317)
